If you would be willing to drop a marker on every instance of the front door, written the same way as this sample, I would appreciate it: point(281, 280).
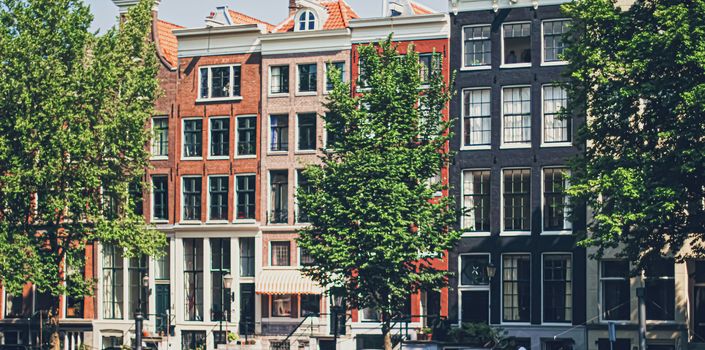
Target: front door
point(162, 304)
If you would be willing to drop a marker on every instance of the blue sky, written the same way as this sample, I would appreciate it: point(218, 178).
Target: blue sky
point(191, 13)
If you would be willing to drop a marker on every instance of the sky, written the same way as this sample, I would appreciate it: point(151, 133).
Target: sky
point(191, 13)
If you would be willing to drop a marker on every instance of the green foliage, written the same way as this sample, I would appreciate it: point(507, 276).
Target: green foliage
point(73, 110)
point(375, 224)
point(478, 334)
point(640, 76)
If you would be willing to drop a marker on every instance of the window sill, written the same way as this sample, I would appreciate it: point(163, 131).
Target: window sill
point(278, 94)
point(515, 65)
point(515, 146)
point(244, 221)
point(472, 68)
point(219, 99)
point(515, 233)
point(556, 145)
point(306, 93)
point(159, 158)
point(558, 324)
point(191, 158)
point(476, 148)
point(553, 63)
point(190, 222)
point(218, 157)
point(159, 221)
point(249, 156)
point(216, 222)
point(515, 324)
point(278, 153)
point(470, 234)
point(305, 151)
point(557, 233)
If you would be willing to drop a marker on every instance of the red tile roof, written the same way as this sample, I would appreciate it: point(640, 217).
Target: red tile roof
point(166, 40)
point(241, 18)
point(339, 16)
point(420, 9)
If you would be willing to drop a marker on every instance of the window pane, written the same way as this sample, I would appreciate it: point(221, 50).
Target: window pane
point(477, 117)
point(220, 266)
point(279, 133)
point(192, 137)
point(556, 214)
point(220, 82)
point(192, 198)
point(557, 288)
point(220, 137)
point(307, 131)
point(556, 124)
point(659, 280)
point(280, 197)
point(281, 305)
point(246, 135)
point(191, 340)
point(160, 140)
point(281, 255)
point(516, 123)
point(476, 200)
point(473, 270)
point(247, 257)
point(310, 305)
point(308, 77)
point(218, 198)
point(236, 80)
point(476, 306)
point(478, 48)
point(193, 279)
point(340, 66)
point(553, 45)
point(280, 79)
point(517, 200)
point(516, 288)
point(112, 282)
point(204, 83)
point(137, 269)
point(303, 186)
point(614, 278)
point(245, 188)
point(517, 43)
point(160, 198)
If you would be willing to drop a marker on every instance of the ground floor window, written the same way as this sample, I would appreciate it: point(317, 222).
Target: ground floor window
point(620, 344)
point(111, 342)
point(557, 344)
point(193, 340)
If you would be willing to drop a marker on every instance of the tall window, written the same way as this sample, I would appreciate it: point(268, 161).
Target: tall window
point(220, 266)
point(192, 198)
point(15, 307)
point(160, 197)
point(74, 304)
point(160, 140)
point(517, 43)
point(247, 257)
point(137, 269)
point(556, 124)
point(112, 282)
point(220, 136)
point(245, 196)
point(279, 125)
point(557, 288)
point(340, 66)
point(279, 80)
point(306, 21)
point(302, 185)
point(476, 200)
point(218, 193)
point(478, 47)
point(280, 197)
point(553, 45)
point(477, 121)
point(193, 340)
point(193, 135)
point(555, 200)
point(614, 282)
point(659, 280)
point(430, 64)
point(219, 82)
point(193, 279)
point(516, 112)
point(308, 77)
point(474, 288)
point(516, 288)
point(307, 131)
point(517, 199)
point(281, 253)
point(246, 136)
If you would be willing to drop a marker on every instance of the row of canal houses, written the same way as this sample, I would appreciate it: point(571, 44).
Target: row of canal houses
point(239, 119)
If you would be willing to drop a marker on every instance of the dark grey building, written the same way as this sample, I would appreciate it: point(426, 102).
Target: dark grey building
point(517, 265)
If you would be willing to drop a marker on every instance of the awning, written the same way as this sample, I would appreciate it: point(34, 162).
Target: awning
point(285, 281)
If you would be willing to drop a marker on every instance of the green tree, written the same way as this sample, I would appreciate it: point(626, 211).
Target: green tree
point(639, 75)
point(376, 226)
point(73, 110)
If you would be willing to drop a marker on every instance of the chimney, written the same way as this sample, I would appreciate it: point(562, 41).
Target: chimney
point(293, 7)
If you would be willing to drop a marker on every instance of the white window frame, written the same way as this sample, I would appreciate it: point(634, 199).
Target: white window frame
point(297, 22)
point(297, 150)
point(235, 200)
point(464, 67)
point(545, 144)
point(278, 94)
point(543, 44)
point(504, 145)
point(208, 198)
point(183, 144)
point(237, 136)
point(500, 272)
point(151, 151)
point(466, 233)
point(566, 220)
point(270, 205)
point(270, 253)
point(210, 138)
point(515, 65)
point(503, 232)
point(463, 146)
point(470, 288)
point(210, 79)
point(151, 199)
point(269, 133)
point(183, 184)
point(572, 288)
point(298, 77)
point(600, 290)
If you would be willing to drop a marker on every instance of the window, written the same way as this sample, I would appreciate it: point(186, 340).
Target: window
point(556, 214)
point(553, 45)
point(280, 197)
point(112, 282)
point(517, 43)
point(279, 134)
point(478, 46)
point(160, 140)
point(620, 344)
point(477, 121)
point(370, 315)
point(308, 77)
point(302, 186)
point(218, 195)
point(220, 136)
point(556, 124)
point(310, 305)
point(192, 198)
point(340, 66)
point(281, 253)
point(476, 200)
point(475, 306)
point(112, 342)
point(15, 307)
point(517, 199)
point(516, 115)
point(557, 344)
point(220, 266)
point(279, 80)
point(245, 193)
point(305, 259)
point(246, 136)
point(306, 21)
point(473, 270)
point(160, 197)
point(193, 279)
point(281, 305)
point(137, 269)
point(516, 288)
point(193, 138)
point(247, 257)
point(219, 82)
point(191, 340)
point(659, 281)
point(614, 281)
point(331, 135)
point(74, 304)
point(557, 288)
point(430, 65)
point(307, 131)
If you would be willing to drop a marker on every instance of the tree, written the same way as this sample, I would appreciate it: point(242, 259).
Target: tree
point(639, 75)
point(376, 226)
point(73, 110)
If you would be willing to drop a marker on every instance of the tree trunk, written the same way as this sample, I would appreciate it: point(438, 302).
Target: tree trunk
point(53, 318)
point(386, 332)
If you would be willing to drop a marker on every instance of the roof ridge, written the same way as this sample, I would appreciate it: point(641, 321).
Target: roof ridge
point(170, 23)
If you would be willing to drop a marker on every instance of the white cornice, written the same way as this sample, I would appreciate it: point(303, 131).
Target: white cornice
point(124, 5)
point(404, 28)
point(217, 41)
point(306, 41)
point(236, 29)
point(399, 20)
point(495, 5)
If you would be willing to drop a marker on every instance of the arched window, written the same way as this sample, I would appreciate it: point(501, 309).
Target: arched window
point(306, 20)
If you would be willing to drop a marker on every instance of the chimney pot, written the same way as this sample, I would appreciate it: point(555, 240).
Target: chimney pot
point(293, 7)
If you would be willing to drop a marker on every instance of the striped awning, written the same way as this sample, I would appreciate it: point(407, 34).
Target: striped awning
point(285, 281)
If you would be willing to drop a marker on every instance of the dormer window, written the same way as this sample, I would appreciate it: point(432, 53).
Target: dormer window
point(306, 20)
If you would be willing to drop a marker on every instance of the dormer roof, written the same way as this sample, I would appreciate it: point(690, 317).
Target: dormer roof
point(338, 15)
